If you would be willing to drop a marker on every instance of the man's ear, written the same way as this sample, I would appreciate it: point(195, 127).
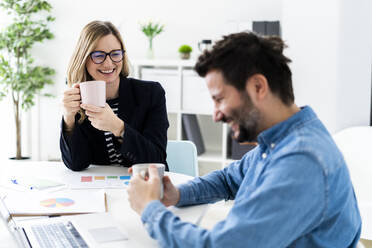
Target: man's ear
point(257, 87)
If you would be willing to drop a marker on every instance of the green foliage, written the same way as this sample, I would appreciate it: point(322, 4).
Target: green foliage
point(151, 29)
point(18, 76)
point(185, 49)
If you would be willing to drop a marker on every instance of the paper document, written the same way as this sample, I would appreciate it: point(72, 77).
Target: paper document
point(27, 183)
point(56, 203)
point(97, 181)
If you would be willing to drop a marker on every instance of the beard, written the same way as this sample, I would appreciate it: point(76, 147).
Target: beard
point(248, 117)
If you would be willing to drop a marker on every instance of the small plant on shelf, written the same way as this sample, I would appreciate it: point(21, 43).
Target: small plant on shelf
point(185, 51)
point(151, 29)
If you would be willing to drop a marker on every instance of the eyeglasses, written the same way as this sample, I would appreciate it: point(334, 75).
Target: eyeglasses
point(98, 57)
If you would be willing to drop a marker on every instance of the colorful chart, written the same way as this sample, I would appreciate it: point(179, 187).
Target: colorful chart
point(90, 179)
point(57, 202)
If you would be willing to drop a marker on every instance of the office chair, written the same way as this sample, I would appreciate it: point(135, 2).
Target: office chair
point(182, 157)
point(355, 144)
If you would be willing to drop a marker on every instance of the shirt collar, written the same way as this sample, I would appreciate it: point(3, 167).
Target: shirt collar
point(277, 132)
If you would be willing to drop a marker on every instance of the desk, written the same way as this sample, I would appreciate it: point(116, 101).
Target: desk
point(117, 202)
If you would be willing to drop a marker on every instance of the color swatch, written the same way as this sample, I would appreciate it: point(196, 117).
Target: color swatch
point(86, 179)
point(56, 202)
point(99, 178)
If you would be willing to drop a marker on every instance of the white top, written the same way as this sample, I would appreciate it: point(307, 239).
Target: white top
point(117, 202)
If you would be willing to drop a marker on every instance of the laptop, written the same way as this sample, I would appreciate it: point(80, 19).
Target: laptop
point(86, 230)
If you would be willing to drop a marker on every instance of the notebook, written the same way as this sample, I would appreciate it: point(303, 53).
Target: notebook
point(87, 230)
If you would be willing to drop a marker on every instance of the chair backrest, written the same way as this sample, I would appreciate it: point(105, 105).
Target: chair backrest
point(355, 144)
point(182, 157)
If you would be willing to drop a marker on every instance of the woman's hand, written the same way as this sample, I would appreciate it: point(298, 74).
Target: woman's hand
point(71, 105)
point(103, 119)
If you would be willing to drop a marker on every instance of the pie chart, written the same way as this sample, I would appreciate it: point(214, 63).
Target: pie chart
point(57, 202)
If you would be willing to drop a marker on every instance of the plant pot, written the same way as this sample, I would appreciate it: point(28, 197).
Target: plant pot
point(184, 55)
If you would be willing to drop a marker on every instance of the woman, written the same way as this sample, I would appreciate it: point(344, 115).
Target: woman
point(131, 128)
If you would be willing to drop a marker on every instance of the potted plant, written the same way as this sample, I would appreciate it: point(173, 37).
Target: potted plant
point(19, 78)
point(185, 51)
point(151, 29)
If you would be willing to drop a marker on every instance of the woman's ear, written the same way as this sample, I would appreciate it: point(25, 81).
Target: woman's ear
point(257, 87)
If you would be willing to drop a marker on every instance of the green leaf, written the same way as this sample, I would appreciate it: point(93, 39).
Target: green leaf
point(151, 29)
point(17, 72)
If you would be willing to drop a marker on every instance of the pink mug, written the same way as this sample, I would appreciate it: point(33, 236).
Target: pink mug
point(93, 92)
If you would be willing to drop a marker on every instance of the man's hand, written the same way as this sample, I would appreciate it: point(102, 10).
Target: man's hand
point(142, 192)
point(171, 193)
point(137, 199)
point(103, 119)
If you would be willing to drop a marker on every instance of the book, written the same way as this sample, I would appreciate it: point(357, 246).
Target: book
point(191, 131)
point(266, 27)
point(236, 150)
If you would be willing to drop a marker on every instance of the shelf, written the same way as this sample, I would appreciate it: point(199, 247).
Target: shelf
point(210, 156)
point(164, 62)
point(196, 112)
point(229, 161)
point(187, 93)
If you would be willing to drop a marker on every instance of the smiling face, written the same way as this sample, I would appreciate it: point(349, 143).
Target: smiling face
point(233, 107)
point(107, 71)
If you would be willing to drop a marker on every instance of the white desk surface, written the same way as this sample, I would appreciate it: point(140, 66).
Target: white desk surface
point(117, 202)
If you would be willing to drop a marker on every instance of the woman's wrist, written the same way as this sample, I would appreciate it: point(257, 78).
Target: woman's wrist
point(119, 130)
point(69, 122)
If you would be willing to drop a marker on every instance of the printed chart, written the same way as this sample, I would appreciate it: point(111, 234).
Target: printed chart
point(57, 202)
point(101, 181)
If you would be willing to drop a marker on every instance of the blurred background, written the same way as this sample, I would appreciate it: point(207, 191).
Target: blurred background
point(330, 44)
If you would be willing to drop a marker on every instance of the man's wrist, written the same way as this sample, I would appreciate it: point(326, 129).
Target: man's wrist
point(150, 210)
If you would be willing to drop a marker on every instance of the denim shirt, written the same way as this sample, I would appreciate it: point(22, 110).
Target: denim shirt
point(292, 190)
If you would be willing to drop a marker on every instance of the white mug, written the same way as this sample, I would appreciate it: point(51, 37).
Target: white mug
point(143, 171)
point(93, 92)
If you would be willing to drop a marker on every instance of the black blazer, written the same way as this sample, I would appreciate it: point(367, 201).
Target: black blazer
point(142, 108)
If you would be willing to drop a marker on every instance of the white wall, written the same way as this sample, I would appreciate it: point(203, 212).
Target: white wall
point(355, 64)
point(330, 43)
point(186, 22)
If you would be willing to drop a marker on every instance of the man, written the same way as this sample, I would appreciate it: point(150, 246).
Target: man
point(292, 190)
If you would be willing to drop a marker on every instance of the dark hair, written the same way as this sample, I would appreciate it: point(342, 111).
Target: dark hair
point(241, 55)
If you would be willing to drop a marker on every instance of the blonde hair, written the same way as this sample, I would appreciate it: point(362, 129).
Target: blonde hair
point(89, 36)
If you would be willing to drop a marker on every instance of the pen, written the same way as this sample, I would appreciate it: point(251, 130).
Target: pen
point(14, 181)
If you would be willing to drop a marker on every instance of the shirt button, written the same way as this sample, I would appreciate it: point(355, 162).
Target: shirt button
point(272, 145)
point(264, 155)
